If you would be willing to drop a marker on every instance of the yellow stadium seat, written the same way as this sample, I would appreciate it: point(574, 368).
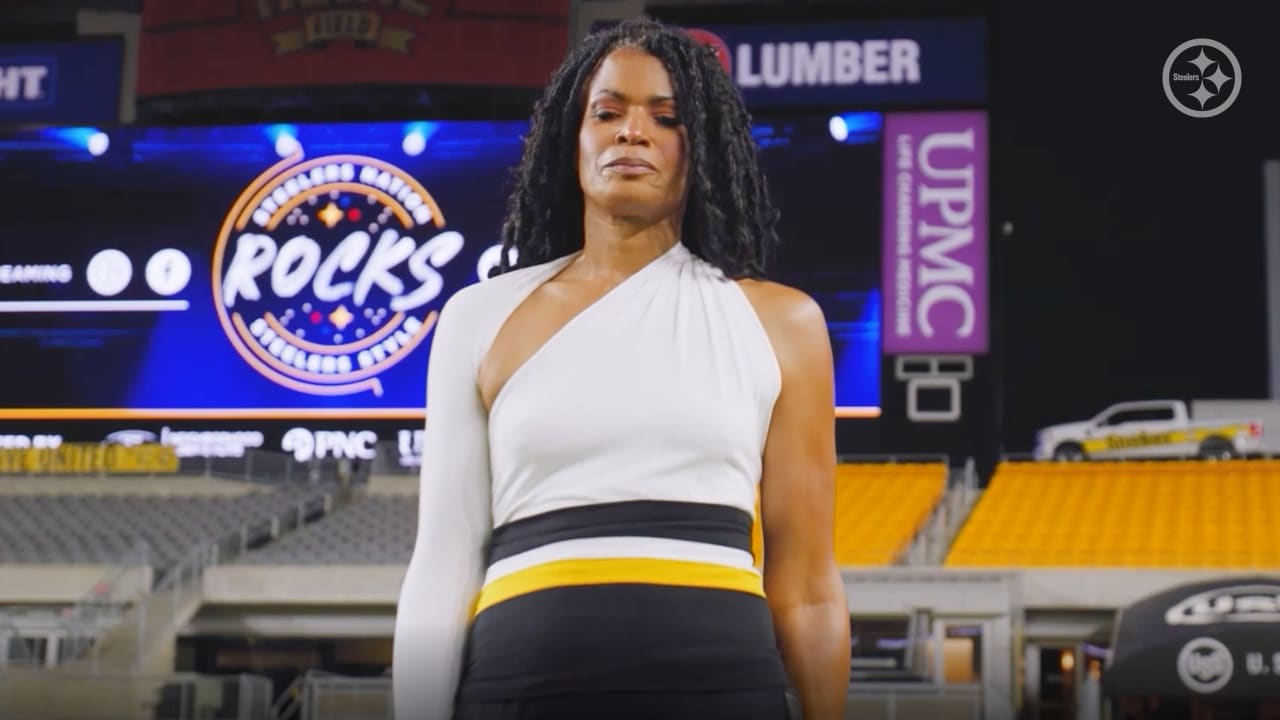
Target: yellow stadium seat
point(1160, 514)
point(880, 507)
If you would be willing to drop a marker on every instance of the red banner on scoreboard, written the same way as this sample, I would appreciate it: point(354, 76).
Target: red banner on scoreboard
point(198, 45)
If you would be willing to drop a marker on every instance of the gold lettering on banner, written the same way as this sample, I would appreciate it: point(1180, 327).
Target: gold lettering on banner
point(360, 26)
point(90, 459)
point(342, 25)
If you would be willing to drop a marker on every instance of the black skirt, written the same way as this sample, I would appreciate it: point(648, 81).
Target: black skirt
point(730, 705)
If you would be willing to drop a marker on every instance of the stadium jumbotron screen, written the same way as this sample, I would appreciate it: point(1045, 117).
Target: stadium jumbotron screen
point(297, 271)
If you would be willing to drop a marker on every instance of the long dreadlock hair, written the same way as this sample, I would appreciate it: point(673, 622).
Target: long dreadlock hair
point(729, 220)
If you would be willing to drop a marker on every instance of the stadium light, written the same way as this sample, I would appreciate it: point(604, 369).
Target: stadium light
point(416, 136)
point(285, 139)
point(855, 127)
point(98, 143)
point(90, 139)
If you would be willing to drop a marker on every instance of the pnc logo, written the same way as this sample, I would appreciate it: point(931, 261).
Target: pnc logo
point(323, 271)
point(307, 445)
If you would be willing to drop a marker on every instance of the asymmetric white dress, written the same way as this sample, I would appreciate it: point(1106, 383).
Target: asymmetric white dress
point(592, 532)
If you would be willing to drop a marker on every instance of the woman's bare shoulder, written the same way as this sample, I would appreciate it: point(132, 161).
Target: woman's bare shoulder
point(496, 293)
point(789, 315)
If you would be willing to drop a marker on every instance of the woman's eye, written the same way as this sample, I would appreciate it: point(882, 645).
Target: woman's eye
point(605, 115)
point(668, 121)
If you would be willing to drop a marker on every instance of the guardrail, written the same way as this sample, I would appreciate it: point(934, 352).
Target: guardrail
point(332, 697)
point(908, 701)
point(933, 539)
point(259, 532)
point(40, 695)
point(854, 458)
point(276, 468)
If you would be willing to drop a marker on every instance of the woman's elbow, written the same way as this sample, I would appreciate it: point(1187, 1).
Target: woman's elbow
point(809, 578)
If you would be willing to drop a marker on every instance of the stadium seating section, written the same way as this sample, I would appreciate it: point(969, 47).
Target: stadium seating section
point(372, 530)
point(879, 508)
point(103, 528)
point(1157, 514)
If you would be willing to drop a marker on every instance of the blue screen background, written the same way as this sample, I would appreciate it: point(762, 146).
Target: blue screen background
point(158, 188)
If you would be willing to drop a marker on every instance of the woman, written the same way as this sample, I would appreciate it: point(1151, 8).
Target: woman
point(603, 415)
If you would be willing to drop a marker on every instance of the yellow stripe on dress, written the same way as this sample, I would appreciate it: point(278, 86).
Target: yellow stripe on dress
point(605, 571)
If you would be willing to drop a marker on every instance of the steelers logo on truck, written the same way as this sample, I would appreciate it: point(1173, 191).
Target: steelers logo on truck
point(323, 271)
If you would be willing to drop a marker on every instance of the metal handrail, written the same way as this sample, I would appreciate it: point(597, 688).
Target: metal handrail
point(90, 602)
point(856, 458)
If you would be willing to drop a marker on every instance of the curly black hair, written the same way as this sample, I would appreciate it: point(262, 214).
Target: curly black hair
point(729, 219)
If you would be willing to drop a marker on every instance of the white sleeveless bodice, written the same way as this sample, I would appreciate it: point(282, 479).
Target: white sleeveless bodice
point(660, 390)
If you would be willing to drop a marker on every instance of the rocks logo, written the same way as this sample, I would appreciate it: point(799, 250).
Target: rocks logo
point(343, 298)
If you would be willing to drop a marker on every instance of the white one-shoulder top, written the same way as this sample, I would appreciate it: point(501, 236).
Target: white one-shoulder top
point(661, 390)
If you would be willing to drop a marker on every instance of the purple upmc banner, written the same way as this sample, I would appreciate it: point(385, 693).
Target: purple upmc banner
point(934, 243)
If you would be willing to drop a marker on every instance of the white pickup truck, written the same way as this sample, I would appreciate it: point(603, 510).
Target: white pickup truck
point(1149, 429)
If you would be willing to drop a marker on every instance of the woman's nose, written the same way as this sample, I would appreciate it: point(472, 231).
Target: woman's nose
point(632, 131)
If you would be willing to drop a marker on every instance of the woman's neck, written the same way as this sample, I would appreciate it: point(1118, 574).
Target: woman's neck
point(620, 246)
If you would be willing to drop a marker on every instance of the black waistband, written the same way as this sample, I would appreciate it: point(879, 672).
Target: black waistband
point(697, 522)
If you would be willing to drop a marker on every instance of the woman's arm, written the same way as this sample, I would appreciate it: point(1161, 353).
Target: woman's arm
point(454, 522)
point(802, 582)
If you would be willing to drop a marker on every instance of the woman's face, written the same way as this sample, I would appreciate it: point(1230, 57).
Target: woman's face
point(631, 148)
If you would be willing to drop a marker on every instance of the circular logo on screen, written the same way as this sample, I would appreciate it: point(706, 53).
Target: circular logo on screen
point(324, 270)
point(1202, 78)
point(715, 44)
point(1205, 665)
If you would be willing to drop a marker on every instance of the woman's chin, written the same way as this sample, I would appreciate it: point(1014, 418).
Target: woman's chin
point(635, 202)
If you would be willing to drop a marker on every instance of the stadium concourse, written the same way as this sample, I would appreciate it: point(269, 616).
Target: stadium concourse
point(189, 596)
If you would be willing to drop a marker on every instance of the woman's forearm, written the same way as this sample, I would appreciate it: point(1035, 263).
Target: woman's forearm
point(814, 640)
